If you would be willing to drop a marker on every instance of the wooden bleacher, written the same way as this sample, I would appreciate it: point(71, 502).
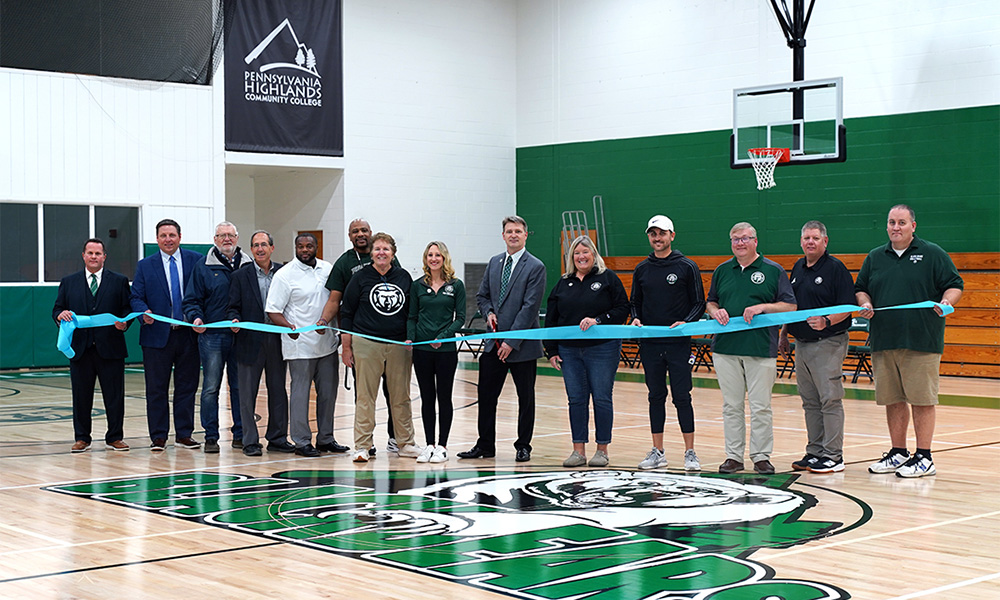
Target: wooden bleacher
point(972, 337)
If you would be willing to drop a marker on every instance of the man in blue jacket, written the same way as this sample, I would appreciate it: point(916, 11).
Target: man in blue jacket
point(158, 288)
point(207, 301)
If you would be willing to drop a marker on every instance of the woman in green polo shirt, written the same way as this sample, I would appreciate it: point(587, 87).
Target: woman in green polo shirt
point(437, 311)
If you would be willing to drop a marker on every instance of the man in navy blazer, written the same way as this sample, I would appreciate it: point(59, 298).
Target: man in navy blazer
point(258, 352)
point(158, 288)
point(100, 351)
point(509, 299)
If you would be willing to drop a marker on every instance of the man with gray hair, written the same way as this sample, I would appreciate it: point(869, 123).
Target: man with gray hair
point(820, 280)
point(258, 352)
point(207, 301)
point(746, 361)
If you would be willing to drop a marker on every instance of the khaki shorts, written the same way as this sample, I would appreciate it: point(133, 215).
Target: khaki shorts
point(906, 376)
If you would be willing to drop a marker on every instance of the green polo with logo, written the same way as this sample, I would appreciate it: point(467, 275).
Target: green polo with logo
point(923, 272)
point(734, 288)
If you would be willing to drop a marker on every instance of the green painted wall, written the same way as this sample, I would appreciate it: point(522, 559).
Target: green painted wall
point(28, 333)
point(945, 164)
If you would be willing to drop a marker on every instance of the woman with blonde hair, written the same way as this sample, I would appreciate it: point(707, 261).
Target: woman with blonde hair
point(588, 294)
point(437, 311)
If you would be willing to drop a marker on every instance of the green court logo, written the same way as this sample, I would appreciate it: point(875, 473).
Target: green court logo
point(548, 535)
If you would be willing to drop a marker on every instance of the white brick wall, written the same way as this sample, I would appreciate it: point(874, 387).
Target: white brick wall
point(595, 69)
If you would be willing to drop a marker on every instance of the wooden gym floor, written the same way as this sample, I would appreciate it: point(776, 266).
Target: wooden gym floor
point(182, 523)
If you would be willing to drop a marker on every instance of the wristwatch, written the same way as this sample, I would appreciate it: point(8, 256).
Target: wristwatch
point(828, 323)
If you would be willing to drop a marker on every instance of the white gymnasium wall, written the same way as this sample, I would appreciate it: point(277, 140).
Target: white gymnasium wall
point(72, 139)
point(597, 69)
point(429, 119)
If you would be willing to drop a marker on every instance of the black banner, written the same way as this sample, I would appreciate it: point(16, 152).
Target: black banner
point(284, 77)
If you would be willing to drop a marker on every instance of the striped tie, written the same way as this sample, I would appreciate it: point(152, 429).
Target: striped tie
point(93, 284)
point(505, 277)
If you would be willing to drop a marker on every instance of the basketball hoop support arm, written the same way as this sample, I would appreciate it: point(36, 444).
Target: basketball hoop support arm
point(794, 26)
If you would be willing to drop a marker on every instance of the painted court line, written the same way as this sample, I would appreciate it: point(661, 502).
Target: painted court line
point(882, 535)
point(63, 544)
point(58, 543)
point(945, 588)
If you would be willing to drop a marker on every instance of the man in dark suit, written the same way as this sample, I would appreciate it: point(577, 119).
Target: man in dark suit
point(100, 351)
point(158, 288)
point(258, 352)
point(509, 298)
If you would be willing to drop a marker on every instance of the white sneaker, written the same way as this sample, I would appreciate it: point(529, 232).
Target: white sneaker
point(360, 455)
point(691, 462)
point(889, 463)
point(426, 455)
point(918, 466)
point(653, 460)
point(410, 451)
point(392, 446)
point(440, 455)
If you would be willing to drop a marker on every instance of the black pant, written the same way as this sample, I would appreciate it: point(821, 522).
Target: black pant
point(181, 357)
point(272, 365)
point(659, 359)
point(436, 377)
point(84, 370)
point(492, 374)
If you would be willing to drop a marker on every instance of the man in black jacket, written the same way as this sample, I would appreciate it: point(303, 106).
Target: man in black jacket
point(100, 351)
point(667, 291)
point(258, 352)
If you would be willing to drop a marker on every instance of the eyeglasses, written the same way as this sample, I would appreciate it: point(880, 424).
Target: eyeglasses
point(260, 245)
point(226, 235)
point(742, 240)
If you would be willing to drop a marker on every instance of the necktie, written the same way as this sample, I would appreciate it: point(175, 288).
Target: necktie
point(175, 290)
point(93, 284)
point(505, 277)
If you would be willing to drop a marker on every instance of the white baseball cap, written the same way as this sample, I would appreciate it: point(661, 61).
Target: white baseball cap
point(660, 222)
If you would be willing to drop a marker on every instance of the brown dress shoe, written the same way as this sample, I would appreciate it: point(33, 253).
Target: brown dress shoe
point(186, 442)
point(764, 467)
point(731, 466)
point(80, 446)
point(117, 446)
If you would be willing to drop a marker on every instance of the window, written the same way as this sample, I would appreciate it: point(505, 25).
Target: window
point(64, 229)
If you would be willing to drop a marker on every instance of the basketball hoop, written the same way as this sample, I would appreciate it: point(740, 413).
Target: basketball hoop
point(764, 160)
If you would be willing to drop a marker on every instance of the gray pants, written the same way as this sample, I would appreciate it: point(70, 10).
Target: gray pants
point(324, 372)
point(270, 363)
point(818, 369)
point(750, 378)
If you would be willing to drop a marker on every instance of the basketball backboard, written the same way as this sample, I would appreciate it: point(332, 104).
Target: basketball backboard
point(806, 117)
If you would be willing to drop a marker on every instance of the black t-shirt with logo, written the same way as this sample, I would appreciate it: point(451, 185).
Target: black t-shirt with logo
point(826, 283)
point(376, 304)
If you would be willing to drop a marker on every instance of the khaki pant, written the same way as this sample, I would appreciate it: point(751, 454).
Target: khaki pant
point(906, 376)
point(371, 359)
point(748, 377)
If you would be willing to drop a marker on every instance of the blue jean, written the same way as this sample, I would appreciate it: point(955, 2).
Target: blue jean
point(216, 349)
point(590, 372)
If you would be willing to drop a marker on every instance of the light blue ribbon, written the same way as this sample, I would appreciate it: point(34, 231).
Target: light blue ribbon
point(569, 332)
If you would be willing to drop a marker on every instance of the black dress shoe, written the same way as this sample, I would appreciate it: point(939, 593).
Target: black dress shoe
point(253, 450)
point(523, 455)
point(332, 447)
point(308, 451)
point(281, 446)
point(238, 444)
point(477, 452)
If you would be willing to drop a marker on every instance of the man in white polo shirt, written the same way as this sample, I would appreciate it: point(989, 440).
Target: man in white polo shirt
point(296, 299)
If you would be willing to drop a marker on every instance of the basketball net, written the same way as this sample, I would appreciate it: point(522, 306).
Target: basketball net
point(764, 160)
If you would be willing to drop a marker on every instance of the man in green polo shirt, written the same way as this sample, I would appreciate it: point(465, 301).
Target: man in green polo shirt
point(746, 361)
point(907, 344)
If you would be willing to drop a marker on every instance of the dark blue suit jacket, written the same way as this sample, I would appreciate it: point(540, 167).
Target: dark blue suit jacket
point(112, 297)
point(245, 304)
point(151, 292)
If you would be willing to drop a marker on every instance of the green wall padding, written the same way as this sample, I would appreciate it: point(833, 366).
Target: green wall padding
point(945, 164)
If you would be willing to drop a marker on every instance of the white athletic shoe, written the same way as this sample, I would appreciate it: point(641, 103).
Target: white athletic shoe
point(653, 460)
point(392, 446)
point(691, 462)
point(889, 463)
point(410, 451)
point(440, 455)
point(426, 455)
point(918, 466)
point(360, 455)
